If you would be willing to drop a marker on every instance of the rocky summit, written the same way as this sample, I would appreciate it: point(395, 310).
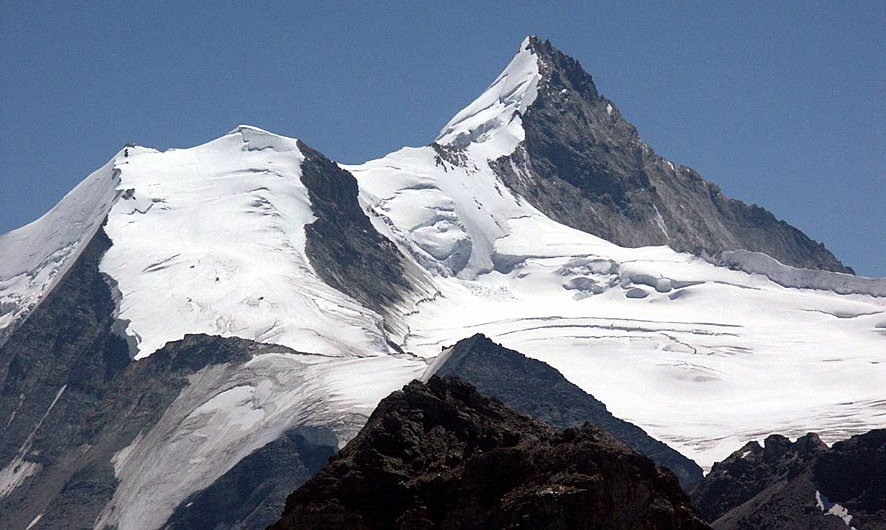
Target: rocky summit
point(584, 165)
point(440, 455)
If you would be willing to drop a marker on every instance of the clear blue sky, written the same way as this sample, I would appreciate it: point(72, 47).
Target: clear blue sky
point(782, 104)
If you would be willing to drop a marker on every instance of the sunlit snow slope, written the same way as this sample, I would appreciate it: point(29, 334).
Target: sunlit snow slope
point(209, 240)
point(36, 256)
point(702, 357)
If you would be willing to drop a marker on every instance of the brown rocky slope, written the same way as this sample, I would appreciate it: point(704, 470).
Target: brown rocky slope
point(440, 455)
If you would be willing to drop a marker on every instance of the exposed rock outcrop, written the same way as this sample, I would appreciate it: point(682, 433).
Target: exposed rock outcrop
point(531, 387)
point(804, 484)
point(344, 248)
point(585, 166)
point(440, 455)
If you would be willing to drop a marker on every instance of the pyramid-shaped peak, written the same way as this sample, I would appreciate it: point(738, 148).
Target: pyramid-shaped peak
point(494, 111)
point(536, 69)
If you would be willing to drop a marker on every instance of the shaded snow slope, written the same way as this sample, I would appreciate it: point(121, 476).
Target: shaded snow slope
point(228, 411)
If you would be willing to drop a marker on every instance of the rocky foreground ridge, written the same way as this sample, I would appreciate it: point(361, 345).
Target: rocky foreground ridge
point(441, 455)
point(531, 387)
point(804, 484)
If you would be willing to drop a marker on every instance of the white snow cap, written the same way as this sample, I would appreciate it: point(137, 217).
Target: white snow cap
point(499, 107)
point(211, 240)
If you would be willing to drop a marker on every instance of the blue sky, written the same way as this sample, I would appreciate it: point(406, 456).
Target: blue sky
point(782, 104)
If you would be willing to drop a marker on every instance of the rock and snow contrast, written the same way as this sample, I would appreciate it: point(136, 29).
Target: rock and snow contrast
point(36, 256)
point(181, 312)
point(702, 357)
point(800, 484)
point(211, 241)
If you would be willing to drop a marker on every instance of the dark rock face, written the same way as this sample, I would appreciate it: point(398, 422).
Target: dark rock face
point(590, 170)
point(135, 401)
point(853, 473)
point(531, 387)
point(254, 491)
point(750, 470)
point(443, 456)
point(54, 372)
point(76, 441)
point(344, 248)
point(70, 398)
point(787, 486)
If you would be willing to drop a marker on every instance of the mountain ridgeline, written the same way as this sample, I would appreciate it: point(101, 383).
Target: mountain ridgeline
point(588, 168)
point(189, 335)
point(533, 388)
point(784, 485)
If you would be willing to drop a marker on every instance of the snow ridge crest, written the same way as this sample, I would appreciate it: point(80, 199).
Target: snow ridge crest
point(500, 106)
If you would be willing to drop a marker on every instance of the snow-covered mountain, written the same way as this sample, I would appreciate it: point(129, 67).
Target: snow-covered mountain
point(226, 239)
point(702, 356)
point(181, 312)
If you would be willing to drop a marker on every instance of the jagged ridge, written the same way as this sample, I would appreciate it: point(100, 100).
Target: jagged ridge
point(590, 170)
point(783, 485)
point(443, 456)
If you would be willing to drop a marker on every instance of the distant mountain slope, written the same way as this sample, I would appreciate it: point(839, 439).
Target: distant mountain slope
point(531, 387)
point(441, 455)
point(583, 165)
point(804, 484)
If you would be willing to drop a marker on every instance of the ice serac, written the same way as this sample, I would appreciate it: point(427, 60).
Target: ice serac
point(585, 166)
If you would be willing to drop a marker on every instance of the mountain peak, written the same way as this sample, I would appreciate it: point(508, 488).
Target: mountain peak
point(257, 139)
point(537, 69)
point(559, 71)
point(244, 128)
point(499, 107)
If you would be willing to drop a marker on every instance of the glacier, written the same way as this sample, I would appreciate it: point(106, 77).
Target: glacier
point(702, 357)
point(702, 354)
